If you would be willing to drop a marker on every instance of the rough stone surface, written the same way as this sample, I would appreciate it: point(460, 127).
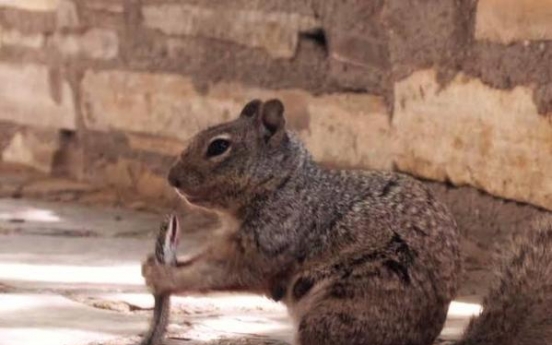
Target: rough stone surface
point(67, 15)
point(350, 131)
point(165, 105)
point(469, 133)
point(7, 131)
point(135, 175)
point(423, 33)
point(507, 66)
point(109, 6)
point(28, 22)
point(357, 44)
point(155, 104)
point(32, 5)
point(507, 21)
point(58, 320)
point(111, 161)
point(12, 37)
point(323, 58)
point(543, 99)
point(95, 43)
point(51, 106)
point(150, 143)
point(34, 148)
point(38, 217)
point(276, 32)
point(193, 56)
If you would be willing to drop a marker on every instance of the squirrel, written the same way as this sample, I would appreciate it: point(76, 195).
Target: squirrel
point(357, 257)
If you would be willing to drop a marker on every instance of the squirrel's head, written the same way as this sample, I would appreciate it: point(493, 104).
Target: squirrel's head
point(226, 165)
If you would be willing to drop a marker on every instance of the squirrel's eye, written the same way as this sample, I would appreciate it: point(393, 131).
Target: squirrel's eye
point(217, 147)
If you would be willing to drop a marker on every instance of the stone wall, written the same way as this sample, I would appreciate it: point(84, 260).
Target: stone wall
point(109, 91)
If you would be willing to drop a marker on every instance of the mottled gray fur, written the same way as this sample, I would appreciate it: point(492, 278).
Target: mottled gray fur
point(358, 257)
point(518, 308)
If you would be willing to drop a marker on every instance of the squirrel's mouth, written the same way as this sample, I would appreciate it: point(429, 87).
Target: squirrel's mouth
point(192, 199)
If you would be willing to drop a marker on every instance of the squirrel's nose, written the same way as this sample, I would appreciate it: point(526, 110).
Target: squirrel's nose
point(173, 179)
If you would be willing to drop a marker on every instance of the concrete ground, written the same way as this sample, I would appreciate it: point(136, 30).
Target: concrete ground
point(70, 275)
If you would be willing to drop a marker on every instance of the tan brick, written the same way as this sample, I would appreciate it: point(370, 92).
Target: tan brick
point(276, 32)
point(14, 38)
point(32, 5)
point(153, 186)
point(67, 15)
point(100, 44)
point(470, 133)
point(129, 174)
point(120, 174)
point(26, 97)
point(351, 130)
point(158, 104)
point(507, 21)
point(104, 5)
point(164, 146)
point(33, 148)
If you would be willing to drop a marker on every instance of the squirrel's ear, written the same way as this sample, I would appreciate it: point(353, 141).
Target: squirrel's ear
point(272, 120)
point(251, 108)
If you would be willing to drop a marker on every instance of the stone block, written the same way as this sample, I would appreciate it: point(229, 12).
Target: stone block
point(160, 145)
point(119, 174)
point(15, 38)
point(28, 22)
point(470, 133)
point(157, 104)
point(130, 174)
point(358, 62)
point(423, 33)
point(102, 44)
point(359, 50)
point(275, 32)
point(108, 6)
point(33, 148)
point(31, 5)
point(28, 96)
point(507, 21)
point(352, 130)
point(67, 15)
point(357, 43)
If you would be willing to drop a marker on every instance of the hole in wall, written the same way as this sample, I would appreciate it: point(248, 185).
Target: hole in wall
point(318, 36)
point(65, 162)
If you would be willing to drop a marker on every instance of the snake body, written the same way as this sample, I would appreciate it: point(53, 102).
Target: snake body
point(165, 253)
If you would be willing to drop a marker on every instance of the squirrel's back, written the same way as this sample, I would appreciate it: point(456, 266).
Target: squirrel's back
point(518, 308)
point(382, 261)
point(358, 257)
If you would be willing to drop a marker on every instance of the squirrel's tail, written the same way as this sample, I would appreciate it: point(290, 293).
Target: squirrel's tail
point(518, 308)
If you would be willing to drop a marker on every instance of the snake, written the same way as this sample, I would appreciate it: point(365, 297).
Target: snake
point(165, 253)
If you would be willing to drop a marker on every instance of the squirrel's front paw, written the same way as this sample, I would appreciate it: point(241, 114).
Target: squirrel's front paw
point(159, 278)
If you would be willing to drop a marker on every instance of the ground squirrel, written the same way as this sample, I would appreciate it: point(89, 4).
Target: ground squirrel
point(358, 257)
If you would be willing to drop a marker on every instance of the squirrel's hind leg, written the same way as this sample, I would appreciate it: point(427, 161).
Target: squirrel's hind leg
point(362, 320)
